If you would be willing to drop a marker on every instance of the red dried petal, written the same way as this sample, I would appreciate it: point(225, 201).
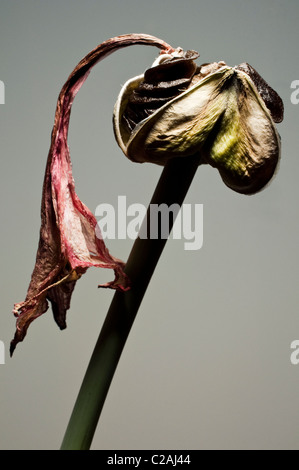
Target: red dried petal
point(68, 243)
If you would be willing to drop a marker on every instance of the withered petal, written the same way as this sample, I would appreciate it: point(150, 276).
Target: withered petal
point(68, 244)
point(271, 99)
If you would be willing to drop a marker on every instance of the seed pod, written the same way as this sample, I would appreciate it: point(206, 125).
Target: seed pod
point(177, 109)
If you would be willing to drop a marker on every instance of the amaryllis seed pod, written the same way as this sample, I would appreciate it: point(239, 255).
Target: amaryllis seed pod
point(226, 114)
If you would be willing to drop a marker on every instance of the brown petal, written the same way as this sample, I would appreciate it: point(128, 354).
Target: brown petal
point(271, 99)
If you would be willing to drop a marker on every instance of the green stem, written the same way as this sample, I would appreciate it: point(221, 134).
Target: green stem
point(172, 188)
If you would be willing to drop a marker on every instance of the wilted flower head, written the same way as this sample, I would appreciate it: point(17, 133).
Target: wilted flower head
point(227, 114)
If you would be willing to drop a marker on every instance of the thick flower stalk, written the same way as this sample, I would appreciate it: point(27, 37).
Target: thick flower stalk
point(68, 243)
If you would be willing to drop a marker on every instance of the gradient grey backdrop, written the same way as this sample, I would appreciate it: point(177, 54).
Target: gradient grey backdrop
point(207, 364)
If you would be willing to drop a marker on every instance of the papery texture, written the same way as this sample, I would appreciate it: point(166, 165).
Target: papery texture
point(225, 113)
point(68, 244)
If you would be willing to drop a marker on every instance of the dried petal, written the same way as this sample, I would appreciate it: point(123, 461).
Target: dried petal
point(68, 244)
point(271, 99)
point(244, 144)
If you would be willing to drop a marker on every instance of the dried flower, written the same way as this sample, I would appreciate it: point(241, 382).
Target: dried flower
point(177, 109)
point(68, 243)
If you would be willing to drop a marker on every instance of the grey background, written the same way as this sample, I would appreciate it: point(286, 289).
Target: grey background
point(207, 364)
